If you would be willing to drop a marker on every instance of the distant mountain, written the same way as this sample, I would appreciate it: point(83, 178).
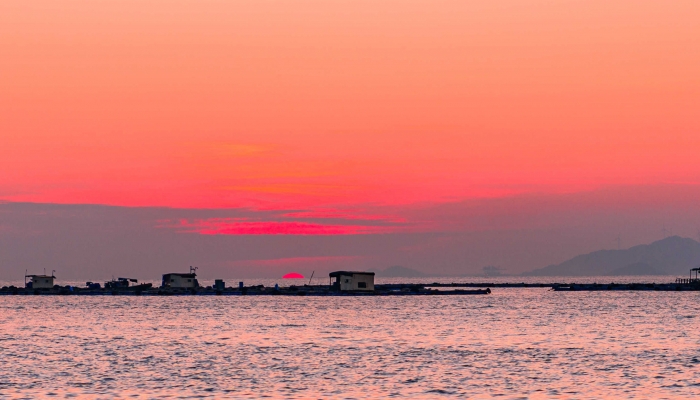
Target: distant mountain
point(639, 268)
point(491, 270)
point(671, 256)
point(398, 271)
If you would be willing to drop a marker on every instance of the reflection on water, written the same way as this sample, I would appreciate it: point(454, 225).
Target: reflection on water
point(513, 343)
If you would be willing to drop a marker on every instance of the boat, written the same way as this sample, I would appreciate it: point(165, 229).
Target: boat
point(124, 284)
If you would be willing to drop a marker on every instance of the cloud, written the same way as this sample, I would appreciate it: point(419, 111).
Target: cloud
point(347, 214)
point(519, 233)
point(219, 226)
point(297, 261)
point(306, 189)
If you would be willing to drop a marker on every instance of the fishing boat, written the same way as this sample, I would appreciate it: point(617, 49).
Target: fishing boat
point(124, 284)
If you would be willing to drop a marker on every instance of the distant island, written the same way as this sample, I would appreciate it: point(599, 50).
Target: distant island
point(398, 271)
point(671, 256)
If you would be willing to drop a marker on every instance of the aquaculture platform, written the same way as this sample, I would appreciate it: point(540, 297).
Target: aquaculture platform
point(305, 290)
point(679, 285)
point(395, 289)
point(662, 287)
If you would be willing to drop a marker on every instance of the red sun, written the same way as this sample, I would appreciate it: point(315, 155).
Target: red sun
point(293, 275)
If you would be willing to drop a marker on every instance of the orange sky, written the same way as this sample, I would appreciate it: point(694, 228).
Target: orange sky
point(326, 104)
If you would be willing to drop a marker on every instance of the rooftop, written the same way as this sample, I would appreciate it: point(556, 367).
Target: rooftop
point(182, 274)
point(339, 273)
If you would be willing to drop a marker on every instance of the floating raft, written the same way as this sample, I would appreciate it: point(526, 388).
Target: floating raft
point(679, 285)
point(306, 290)
point(406, 289)
point(395, 286)
point(661, 287)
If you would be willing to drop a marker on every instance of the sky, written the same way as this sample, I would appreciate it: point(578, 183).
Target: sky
point(256, 137)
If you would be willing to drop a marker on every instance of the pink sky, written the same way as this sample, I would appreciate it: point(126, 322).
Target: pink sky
point(368, 110)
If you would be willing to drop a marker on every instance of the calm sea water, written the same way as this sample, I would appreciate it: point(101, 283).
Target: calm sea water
point(515, 343)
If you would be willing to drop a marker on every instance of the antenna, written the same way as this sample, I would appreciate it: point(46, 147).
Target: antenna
point(52, 273)
point(193, 270)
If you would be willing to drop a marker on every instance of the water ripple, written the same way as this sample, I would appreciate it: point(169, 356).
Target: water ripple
point(515, 343)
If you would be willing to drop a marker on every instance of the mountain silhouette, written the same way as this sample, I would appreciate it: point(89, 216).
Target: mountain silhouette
point(671, 256)
point(398, 271)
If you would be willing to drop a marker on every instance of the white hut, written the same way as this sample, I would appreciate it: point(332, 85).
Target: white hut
point(181, 280)
point(352, 281)
point(39, 281)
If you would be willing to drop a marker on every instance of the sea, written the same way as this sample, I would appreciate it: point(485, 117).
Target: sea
point(516, 343)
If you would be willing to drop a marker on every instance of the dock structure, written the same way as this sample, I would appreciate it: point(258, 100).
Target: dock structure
point(690, 279)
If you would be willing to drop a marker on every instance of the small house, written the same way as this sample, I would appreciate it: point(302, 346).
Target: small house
point(352, 281)
point(39, 281)
point(180, 280)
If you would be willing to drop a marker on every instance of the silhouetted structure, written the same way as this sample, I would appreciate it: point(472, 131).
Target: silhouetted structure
point(690, 279)
point(180, 280)
point(119, 283)
point(352, 281)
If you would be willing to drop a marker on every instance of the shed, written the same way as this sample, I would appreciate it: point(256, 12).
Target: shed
point(39, 281)
point(352, 281)
point(181, 280)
